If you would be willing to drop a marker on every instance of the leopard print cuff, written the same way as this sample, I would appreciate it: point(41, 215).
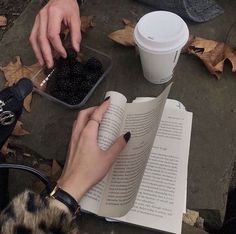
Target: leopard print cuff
point(30, 213)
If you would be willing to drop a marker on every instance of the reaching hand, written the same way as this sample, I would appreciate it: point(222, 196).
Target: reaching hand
point(45, 35)
point(86, 163)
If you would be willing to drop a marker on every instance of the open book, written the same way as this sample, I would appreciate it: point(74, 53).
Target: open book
point(147, 184)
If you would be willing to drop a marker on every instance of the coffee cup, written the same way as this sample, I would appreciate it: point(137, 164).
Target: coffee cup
point(160, 36)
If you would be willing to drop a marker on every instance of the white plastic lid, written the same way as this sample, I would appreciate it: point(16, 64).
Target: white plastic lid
point(161, 32)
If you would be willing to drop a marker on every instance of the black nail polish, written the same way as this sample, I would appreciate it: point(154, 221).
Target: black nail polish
point(127, 136)
point(107, 98)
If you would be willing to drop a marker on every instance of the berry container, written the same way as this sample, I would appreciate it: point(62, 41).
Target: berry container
point(87, 52)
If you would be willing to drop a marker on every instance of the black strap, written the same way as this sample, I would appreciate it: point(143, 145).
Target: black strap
point(33, 171)
point(66, 199)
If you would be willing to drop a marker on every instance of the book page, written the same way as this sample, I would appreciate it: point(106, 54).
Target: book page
point(109, 130)
point(142, 120)
point(159, 203)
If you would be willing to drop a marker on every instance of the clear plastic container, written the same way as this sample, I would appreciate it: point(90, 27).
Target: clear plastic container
point(87, 52)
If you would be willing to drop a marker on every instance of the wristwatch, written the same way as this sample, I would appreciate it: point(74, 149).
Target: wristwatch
point(64, 197)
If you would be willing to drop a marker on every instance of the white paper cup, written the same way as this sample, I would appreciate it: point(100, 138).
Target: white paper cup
point(160, 36)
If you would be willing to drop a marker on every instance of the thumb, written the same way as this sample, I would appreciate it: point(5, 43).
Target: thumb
point(118, 146)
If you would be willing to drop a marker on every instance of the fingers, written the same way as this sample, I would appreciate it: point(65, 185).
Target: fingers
point(92, 126)
point(43, 39)
point(34, 42)
point(118, 146)
point(74, 27)
point(80, 123)
point(54, 29)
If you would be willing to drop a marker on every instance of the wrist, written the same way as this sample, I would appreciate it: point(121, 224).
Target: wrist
point(61, 196)
point(76, 191)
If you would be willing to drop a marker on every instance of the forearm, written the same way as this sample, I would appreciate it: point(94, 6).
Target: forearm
point(29, 211)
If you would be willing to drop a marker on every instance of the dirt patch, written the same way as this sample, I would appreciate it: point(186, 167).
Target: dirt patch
point(12, 9)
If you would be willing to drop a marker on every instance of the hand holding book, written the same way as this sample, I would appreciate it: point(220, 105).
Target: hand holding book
point(86, 163)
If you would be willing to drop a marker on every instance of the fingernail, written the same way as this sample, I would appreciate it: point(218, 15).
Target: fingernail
point(107, 98)
point(127, 136)
point(77, 48)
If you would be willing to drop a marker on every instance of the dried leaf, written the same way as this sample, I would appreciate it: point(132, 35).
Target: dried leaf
point(124, 36)
point(190, 217)
point(53, 172)
point(5, 150)
point(15, 71)
point(128, 22)
point(3, 21)
point(87, 23)
point(56, 171)
point(213, 54)
point(45, 168)
point(19, 130)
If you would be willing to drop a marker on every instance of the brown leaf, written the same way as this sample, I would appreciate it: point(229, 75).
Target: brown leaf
point(124, 36)
point(45, 168)
point(19, 130)
point(128, 22)
point(56, 171)
point(15, 71)
point(3, 21)
point(53, 172)
point(87, 23)
point(5, 149)
point(213, 54)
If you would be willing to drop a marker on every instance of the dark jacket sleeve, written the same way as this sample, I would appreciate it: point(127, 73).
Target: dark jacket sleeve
point(29, 213)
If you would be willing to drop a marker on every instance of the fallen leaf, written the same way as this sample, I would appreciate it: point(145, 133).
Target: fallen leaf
point(52, 171)
point(45, 168)
point(128, 22)
point(190, 217)
point(213, 54)
point(3, 21)
point(19, 130)
point(87, 23)
point(15, 71)
point(5, 150)
point(56, 171)
point(124, 36)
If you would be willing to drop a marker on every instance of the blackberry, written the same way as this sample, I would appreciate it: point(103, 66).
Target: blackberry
point(71, 54)
point(94, 76)
point(73, 100)
point(76, 82)
point(63, 71)
point(78, 69)
point(62, 95)
point(93, 64)
point(64, 84)
point(85, 86)
point(60, 62)
point(72, 63)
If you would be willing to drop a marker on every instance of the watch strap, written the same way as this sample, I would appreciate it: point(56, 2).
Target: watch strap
point(64, 197)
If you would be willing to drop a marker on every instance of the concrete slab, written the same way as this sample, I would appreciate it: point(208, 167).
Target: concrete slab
point(212, 102)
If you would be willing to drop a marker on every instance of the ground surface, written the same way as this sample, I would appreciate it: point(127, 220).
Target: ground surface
point(213, 102)
point(11, 9)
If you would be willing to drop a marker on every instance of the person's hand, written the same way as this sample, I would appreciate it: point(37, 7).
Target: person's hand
point(45, 35)
point(86, 163)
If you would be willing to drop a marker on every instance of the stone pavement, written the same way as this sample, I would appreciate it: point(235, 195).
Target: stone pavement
point(213, 102)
